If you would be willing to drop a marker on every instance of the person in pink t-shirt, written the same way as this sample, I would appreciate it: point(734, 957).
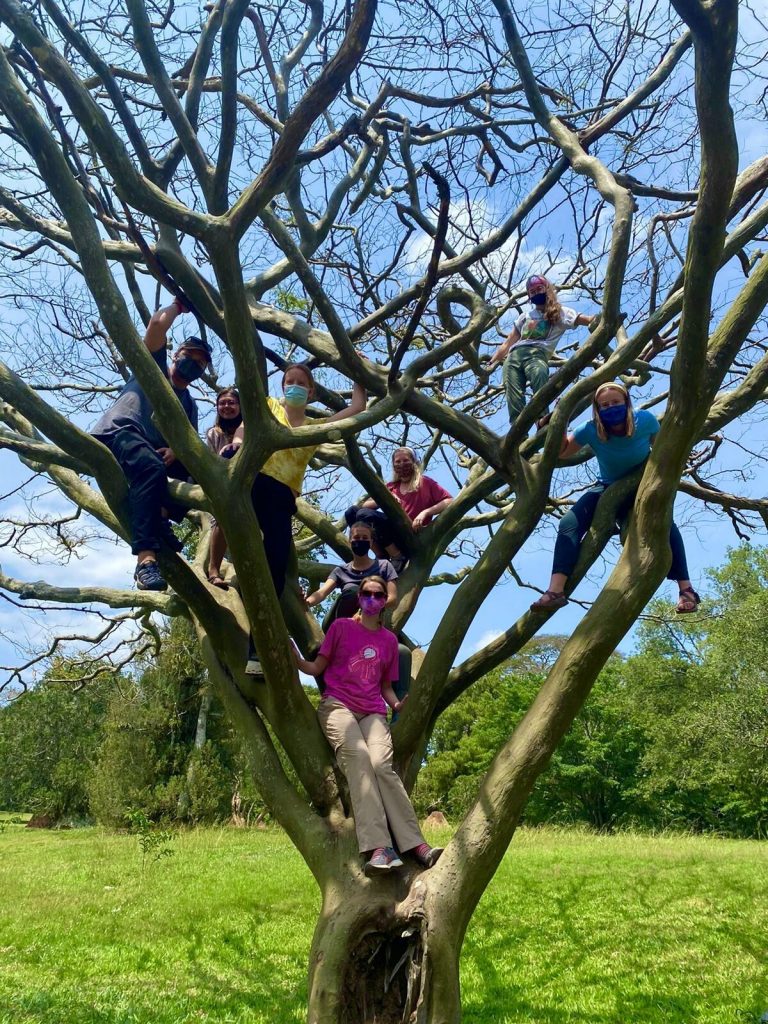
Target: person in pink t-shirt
point(421, 498)
point(359, 660)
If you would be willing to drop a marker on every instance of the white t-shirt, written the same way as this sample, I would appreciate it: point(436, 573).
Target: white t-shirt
point(534, 329)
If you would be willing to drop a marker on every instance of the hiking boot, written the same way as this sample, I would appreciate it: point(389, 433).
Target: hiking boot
point(381, 860)
point(149, 577)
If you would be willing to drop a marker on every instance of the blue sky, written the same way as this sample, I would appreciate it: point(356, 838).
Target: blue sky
point(707, 533)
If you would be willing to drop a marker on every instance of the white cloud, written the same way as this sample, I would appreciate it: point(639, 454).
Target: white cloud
point(487, 637)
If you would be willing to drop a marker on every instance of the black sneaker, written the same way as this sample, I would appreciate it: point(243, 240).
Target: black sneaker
point(149, 577)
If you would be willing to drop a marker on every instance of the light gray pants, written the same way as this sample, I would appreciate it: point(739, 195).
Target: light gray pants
point(363, 748)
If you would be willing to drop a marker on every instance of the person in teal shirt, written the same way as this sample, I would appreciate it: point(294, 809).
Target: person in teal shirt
point(621, 440)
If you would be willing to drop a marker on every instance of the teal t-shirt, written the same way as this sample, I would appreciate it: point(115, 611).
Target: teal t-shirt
point(619, 455)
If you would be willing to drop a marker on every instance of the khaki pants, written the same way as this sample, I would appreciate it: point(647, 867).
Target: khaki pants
point(363, 748)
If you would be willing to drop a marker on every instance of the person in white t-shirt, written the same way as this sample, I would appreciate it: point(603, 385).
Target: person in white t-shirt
point(532, 342)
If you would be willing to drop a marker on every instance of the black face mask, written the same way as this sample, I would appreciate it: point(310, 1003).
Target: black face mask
point(360, 547)
point(189, 369)
point(229, 424)
point(539, 300)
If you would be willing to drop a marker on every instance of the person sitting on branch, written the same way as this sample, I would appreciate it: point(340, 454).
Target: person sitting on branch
point(348, 577)
point(127, 428)
point(420, 496)
point(621, 440)
point(532, 342)
point(359, 660)
point(220, 438)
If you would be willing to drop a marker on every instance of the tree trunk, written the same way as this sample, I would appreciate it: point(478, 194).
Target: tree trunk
point(383, 953)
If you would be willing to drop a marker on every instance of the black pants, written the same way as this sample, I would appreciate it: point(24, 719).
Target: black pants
point(147, 487)
point(575, 523)
point(274, 504)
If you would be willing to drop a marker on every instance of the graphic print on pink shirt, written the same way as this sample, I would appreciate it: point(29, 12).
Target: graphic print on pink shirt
point(360, 661)
point(366, 665)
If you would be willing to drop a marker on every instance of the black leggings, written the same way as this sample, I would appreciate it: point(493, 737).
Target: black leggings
point(274, 504)
point(147, 487)
point(575, 523)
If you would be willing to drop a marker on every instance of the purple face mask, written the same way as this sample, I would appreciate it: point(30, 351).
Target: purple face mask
point(371, 604)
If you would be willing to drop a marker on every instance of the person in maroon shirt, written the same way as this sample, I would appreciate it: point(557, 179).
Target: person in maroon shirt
point(421, 497)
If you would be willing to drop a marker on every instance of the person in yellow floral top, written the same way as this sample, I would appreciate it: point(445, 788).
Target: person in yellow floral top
point(277, 486)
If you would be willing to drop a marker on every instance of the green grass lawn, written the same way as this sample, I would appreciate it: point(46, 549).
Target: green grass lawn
point(575, 928)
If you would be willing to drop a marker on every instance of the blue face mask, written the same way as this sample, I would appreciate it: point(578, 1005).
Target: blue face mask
point(538, 300)
point(613, 415)
point(295, 394)
point(189, 369)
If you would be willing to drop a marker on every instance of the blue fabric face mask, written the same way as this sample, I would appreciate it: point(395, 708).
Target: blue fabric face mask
point(295, 394)
point(189, 369)
point(613, 415)
point(538, 300)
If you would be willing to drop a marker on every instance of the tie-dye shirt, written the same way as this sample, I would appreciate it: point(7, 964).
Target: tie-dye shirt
point(535, 330)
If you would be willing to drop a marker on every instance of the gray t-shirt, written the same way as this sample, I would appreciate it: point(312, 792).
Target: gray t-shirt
point(346, 574)
point(535, 330)
point(131, 409)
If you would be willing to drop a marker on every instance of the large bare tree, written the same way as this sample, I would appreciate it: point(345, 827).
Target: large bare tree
point(367, 186)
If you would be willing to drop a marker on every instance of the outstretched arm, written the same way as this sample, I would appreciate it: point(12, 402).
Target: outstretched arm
point(501, 352)
point(358, 403)
point(312, 668)
point(321, 593)
point(159, 325)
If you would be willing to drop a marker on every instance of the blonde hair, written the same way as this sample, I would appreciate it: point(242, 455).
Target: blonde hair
point(602, 433)
point(415, 482)
point(358, 616)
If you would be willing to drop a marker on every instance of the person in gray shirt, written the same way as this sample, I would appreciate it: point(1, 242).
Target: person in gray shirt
point(127, 428)
point(349, 577)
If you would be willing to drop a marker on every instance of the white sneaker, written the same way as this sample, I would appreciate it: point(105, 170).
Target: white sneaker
point(253, 667)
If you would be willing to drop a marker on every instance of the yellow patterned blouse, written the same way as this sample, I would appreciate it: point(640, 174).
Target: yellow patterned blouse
point(289, 464)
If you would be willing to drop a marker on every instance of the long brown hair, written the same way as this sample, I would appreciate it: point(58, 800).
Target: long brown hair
point(602, 433)
point(358, 616)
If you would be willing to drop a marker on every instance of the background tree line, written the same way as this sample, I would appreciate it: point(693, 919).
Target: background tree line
point(676, 735)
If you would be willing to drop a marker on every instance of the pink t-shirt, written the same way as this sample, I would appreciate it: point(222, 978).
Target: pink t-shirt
point(429, 492)
point(360, 662)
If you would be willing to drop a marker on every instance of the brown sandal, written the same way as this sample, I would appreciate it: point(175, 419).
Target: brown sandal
point(688, 601)
point(218, 581)
point(549, 601)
